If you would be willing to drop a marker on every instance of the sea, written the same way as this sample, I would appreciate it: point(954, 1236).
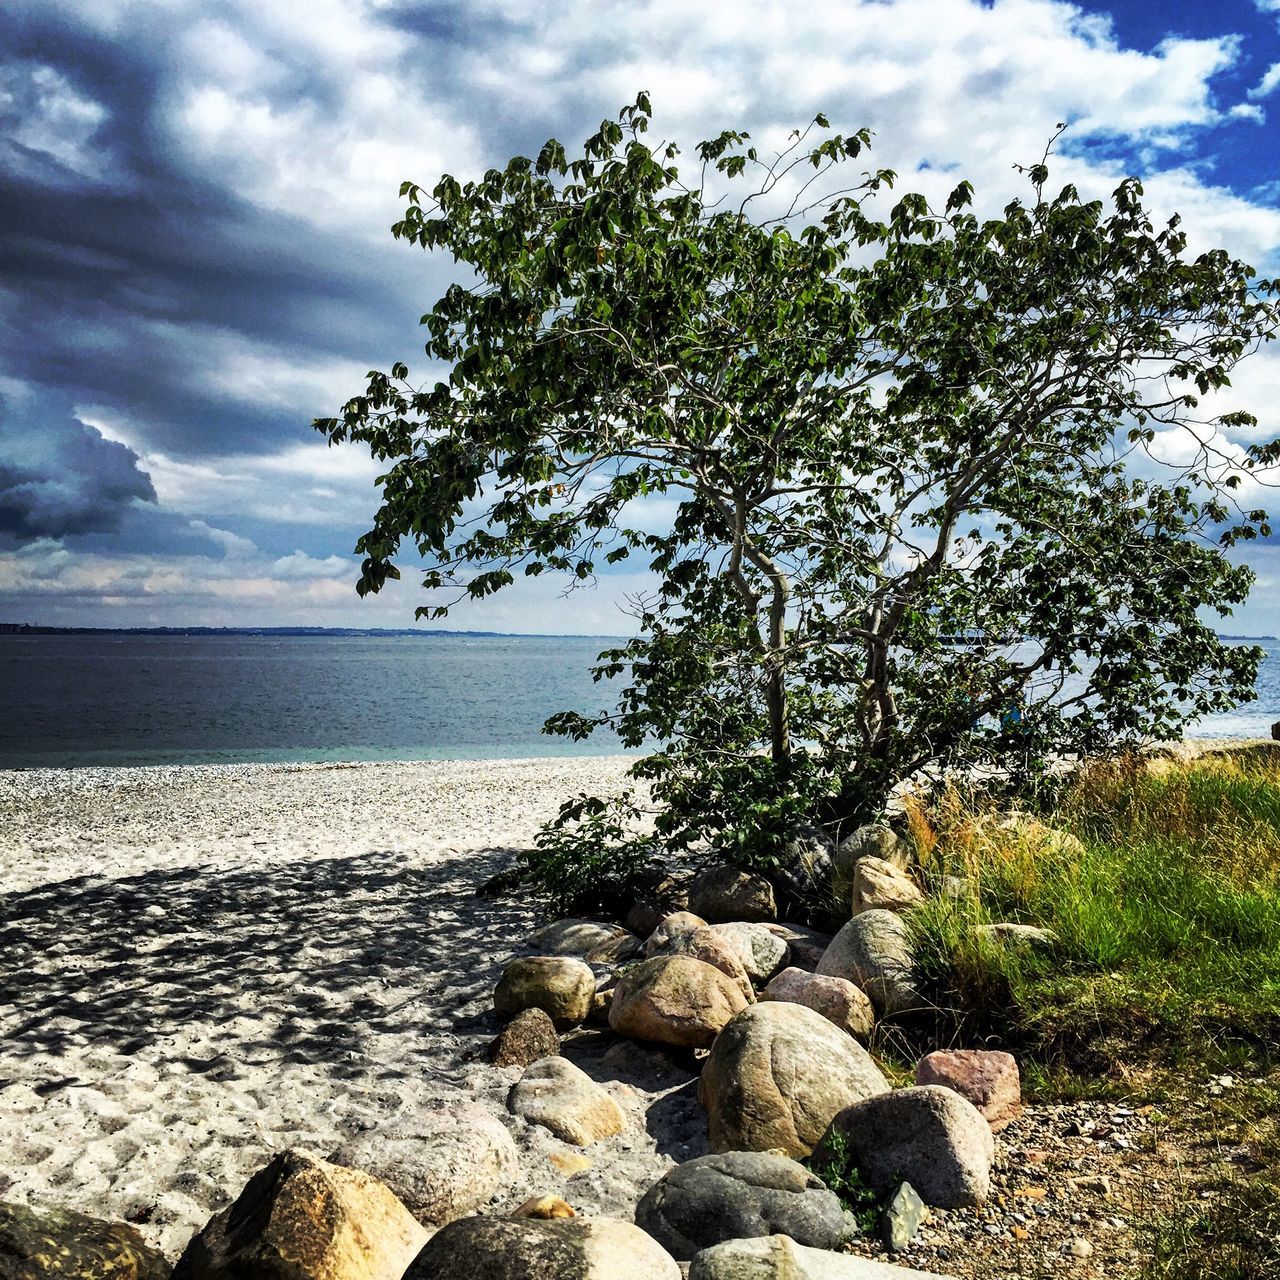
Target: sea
point(136, 699)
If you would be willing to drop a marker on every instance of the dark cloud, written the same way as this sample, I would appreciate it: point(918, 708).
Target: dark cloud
point(64, 478)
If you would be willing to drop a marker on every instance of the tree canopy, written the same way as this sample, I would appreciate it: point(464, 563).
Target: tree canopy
point(924, 498)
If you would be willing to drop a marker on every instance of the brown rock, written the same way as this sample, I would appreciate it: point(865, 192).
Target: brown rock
point(669, 929)
point(704, 943)
point(300, 1217)
point(563, 1098)
point(723, 894)
point(988, 1078)
point(530, 1035)
point(560, 986)
point(49, 1243)
point(879, 885)
point(545, 1208)
point(674, 1000)
point(777, 1075)
point(837, 999)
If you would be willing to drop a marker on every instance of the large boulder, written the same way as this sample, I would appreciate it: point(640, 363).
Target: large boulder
point(988, 1078)
point(705, 944)
point(574, 937)
point(838, 1000)
point(530, 1035)
point(928, 1136)
point(49, 1243)
point(761, 951)
point(777, 1075)
point(655, 904)
point(875, 840)
point(674, 1000)
point(441, 1162)
point(739, 1194)
point(542, 1249)
point(873, 951)
point(730, 893)
point(669, 928)
point(562, 987)
point(780, 1258)
point(879, 885)
point(563, 1098)
point(302, 1217)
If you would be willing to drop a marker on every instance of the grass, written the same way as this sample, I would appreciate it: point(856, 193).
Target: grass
point(1163, 891)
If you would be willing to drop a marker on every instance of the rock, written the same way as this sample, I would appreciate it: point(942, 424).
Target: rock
point(558, 985)
point(1031, 832)
point(670, 928)
point(1275, 731)
point(301, 1217)
point(926, 1135)
point(761, 951)
point(875, 840)
point(530, 1035)
point(538, 1249)
point(574, 937)
point(563, 1098)
point(804, 870)
point(654, 906)
point(545, 1207)
point(780, 1258)
point(674, 1000)
point(1030, 936)
point(988, 1078)
point(741, 1194)
point(49, 1243)
point(441, 1162)
point(1079, 1247)
point(879, 885)
point(730, 893)
point(777, 1075)
point(705, 944)
point(602, 1000)
point(804, 945)
point(873, 951)
point(617, 950)
point(903, 1216)
point(837, 999)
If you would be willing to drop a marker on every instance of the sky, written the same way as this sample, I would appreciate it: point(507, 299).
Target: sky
point(195, 257)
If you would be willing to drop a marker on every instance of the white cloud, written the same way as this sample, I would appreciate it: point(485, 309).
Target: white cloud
point(1269, 82)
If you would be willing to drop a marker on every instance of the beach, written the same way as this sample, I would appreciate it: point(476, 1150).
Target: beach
point(201, 966)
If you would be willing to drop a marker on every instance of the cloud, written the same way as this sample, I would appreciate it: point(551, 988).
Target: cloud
point(61, 477)
point(1268, 84)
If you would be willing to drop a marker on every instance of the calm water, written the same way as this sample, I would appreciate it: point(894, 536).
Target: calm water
point(97, 700)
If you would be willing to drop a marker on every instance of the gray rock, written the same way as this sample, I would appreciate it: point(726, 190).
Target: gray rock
point(1029, 936)
point(48, 1243)
point(530, 1035)
point(563, 988)
point(1275, 731)
point(730, 893)
point(669, 929)
point(542, 1249)
point(563, 1098)
point(777, 1075)
point(873, 951)
point(441, 1162)
point(903, 1216)
point(741, 1194)
point(780, 1258)
point(926, 1135)
point(574, 937)
point(761, 951)
point(805, 945)
point(804, 872)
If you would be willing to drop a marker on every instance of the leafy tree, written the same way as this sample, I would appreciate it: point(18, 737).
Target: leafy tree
point(899, 445)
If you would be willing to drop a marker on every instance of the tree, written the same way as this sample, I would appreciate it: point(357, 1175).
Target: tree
point(919, 513)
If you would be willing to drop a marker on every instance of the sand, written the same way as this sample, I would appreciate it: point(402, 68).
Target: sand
point(201, 966)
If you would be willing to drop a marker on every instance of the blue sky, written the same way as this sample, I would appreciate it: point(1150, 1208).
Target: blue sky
point(195, 258)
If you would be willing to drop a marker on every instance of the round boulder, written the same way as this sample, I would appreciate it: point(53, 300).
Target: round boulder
point(879, 885)
point(988, 1078)
point(873, 951)
point(49, 1243)
point(674, 1000)
point(442, 1162)
point(777, 1075)
point(875, 840)
point(530, 1035)
point(928, 1136)
point(762, 951)
point(730, 893)
point(574, 937)
point(563, 1098)
point(669, 929)
point(706, 944)
point(560, 986)
point(838, 1000)
point(548, 1248)
point(737, 1195)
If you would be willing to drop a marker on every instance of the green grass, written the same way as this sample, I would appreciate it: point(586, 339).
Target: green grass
point(1164, 892)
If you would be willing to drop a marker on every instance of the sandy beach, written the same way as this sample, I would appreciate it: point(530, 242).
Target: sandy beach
point(201, 966)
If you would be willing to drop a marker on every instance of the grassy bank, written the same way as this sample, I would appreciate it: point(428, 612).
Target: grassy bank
point(1162, 889)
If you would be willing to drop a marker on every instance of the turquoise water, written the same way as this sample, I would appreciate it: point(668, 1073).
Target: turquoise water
point(134, 700)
